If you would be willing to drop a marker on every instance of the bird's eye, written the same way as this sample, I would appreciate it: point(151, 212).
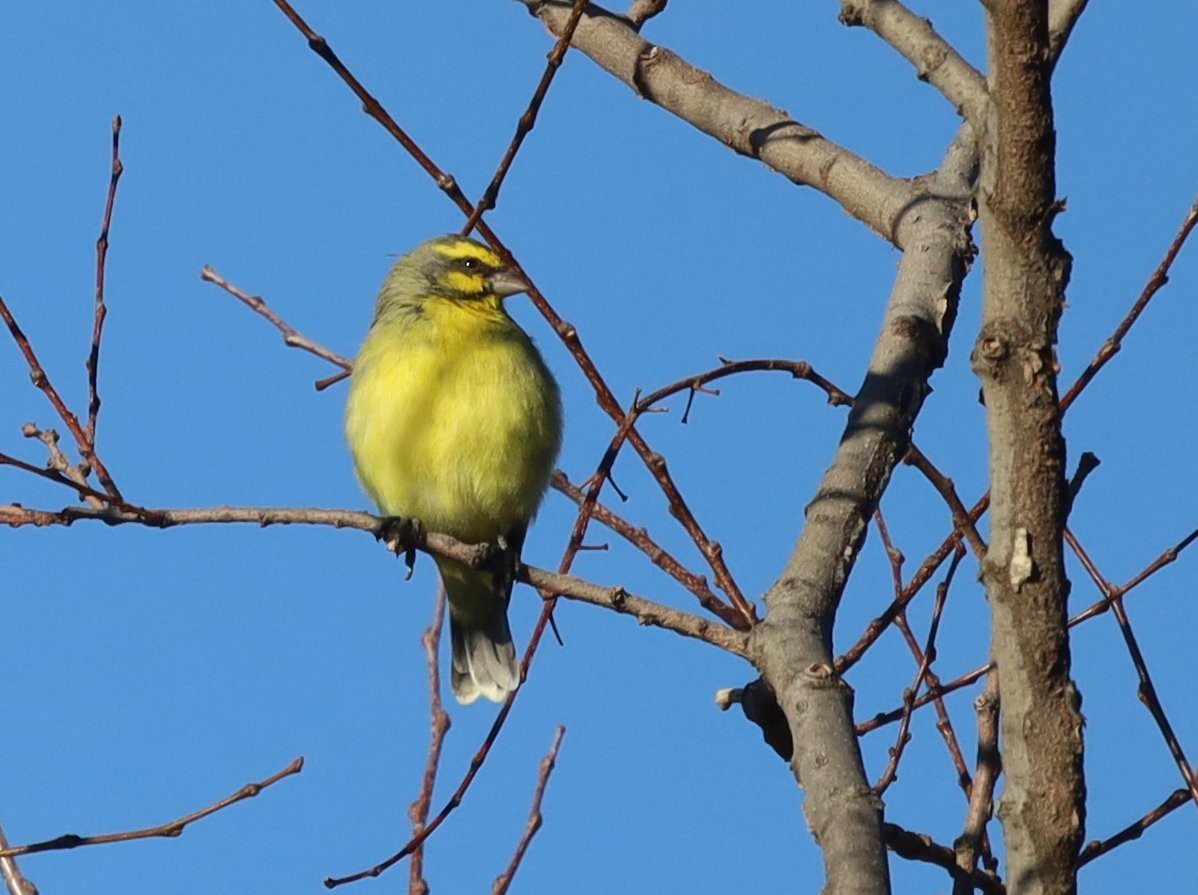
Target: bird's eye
point(471, 263)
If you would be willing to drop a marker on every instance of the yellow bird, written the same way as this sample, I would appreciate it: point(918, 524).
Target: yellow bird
point(454, 419)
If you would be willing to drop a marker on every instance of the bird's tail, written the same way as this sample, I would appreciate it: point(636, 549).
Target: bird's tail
point(484, 657)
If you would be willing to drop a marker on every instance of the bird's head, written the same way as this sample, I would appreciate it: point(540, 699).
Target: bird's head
point(454, 268)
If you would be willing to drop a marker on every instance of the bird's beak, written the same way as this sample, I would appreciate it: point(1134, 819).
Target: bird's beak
point(506, 282)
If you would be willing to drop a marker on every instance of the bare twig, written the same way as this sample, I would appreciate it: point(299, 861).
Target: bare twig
point(921, 577)
point(922, 847)
point(101, 310)
point(973, 840)
point(550, 584)
point(504, 881)
point(1146, 690)
point(439, 726)
point(527, 121)
point(292, 338)
point(38, 375)
point(1114, 342)
point(167, 830)
point(931, 694)
point(749, 126)
point(963, 519)
point(638, 537)
point(58, 468)
point(1133, 831)
point(925, 658)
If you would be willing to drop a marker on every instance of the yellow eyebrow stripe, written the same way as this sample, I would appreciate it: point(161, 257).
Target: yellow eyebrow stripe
point(466, 249)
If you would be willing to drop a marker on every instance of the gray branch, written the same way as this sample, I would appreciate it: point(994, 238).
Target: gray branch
point(747, 125)
point(935, 59)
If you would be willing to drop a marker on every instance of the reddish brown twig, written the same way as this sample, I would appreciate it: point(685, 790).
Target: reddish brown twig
point(101, 310)
point(1167, 556)
point(921, 577)
point(922, 847)
point(963, 519)
point(58, 475)
point(1146, 690)
point(1133, 831)
point(930, 694)
point(292, 338)
point(924, 659)
point(742, 613)
point(639, 538)
point(1114, 343)
point(439, 726)
point(535, 820)
point(38, 375)
point(168, 830)
point(528, 120)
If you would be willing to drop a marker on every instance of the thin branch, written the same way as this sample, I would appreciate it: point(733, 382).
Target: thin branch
point(1146, 690)
point(922, 575)
point(476, 761)
point(881, 719)
point(936, 60)
point(963, 519)
point(292, 338)
point(101, 310)
point(527, 121)
point(645, 611)
point(1114, 342)
point(167, 830)
point(58, 468)
point(38, 375)
point(973, 841)
point(749, 126)
point(1167, 556)
point(504, 881)
point(638, 537)
point(439, 726)
point(922, 847)
point(924, 660)
point(1133, 831)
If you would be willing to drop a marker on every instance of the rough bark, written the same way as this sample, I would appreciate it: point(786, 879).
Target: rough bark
point(1025, 272)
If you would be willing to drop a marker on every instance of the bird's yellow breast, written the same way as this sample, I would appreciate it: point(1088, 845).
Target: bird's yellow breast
point(453, 418)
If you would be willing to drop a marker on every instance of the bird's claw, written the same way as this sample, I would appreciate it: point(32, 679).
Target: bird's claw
point(401, 534)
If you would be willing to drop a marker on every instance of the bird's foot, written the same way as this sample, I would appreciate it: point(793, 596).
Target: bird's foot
point(401, 534)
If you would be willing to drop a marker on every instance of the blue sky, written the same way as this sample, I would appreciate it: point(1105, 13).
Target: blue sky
point(151, 672)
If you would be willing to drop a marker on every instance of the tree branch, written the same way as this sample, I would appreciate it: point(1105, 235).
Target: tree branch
point(749, 126)
point(167, 830)
point(403, 537)
point(792, 647)
point(504, 881)
point(935, 59)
